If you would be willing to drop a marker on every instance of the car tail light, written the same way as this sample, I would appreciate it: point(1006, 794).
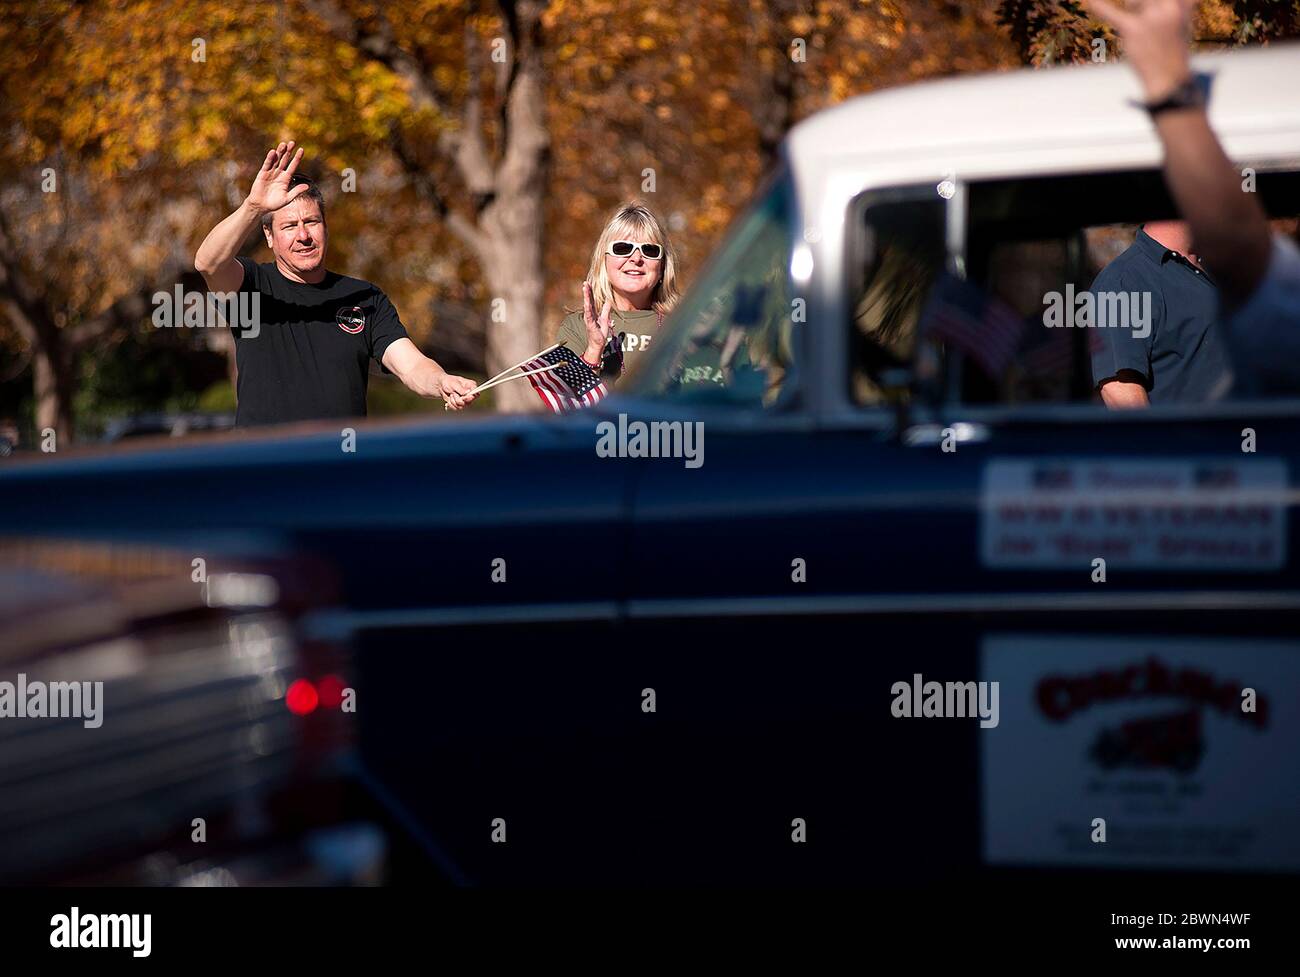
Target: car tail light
point(301, 698)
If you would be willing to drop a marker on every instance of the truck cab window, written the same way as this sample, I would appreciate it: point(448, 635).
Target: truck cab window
point(733, 339)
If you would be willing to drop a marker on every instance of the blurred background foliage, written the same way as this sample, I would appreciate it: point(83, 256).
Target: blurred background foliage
point(487, 142)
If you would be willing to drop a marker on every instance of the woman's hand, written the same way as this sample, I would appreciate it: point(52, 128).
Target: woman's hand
point(598, 329)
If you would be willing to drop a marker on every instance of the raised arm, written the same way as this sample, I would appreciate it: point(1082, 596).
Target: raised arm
point(215, 259)
point(1229, 229)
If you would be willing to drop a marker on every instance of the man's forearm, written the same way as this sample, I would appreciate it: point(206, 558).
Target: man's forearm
point(1118, 394)
point(424, 378)
point(1229, 229)
point(224, 241)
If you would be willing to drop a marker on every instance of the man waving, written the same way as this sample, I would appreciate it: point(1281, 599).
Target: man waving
point(317, 331)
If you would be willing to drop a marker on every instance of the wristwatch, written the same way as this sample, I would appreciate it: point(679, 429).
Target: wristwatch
point(1191, 94)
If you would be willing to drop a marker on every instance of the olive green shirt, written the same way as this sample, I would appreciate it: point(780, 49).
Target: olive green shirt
point(640, 328)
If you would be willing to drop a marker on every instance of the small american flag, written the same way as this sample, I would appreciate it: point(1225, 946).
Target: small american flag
point(572, 386)
point(1056, 353)
point(1048, 356)
point(981, 326)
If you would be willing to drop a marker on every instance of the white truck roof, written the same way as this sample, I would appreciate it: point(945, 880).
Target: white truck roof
point(1033, 122)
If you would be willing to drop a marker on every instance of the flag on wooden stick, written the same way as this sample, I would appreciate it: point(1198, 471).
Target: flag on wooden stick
point(568, 384)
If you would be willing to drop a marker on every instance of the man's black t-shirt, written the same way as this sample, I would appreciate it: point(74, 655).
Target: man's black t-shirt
point(310, 356)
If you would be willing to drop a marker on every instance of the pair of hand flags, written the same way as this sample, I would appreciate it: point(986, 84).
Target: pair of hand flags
point(559, 375)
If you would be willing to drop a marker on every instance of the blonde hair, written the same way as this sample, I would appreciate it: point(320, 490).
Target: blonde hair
point(633, 221)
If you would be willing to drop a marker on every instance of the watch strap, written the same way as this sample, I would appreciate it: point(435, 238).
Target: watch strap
point(1193, 93)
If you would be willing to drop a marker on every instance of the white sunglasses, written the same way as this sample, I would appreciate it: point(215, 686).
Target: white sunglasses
point(624, 249)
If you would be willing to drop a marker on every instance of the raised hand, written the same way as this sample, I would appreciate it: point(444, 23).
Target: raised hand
point(1155, 35)
point(271, 189)
point(599, 329)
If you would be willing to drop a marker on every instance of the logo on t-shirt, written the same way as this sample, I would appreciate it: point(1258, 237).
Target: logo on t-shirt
point(351, 320)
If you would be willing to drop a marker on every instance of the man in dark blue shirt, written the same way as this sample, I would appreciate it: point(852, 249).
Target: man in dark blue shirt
point(1258, 271)
point(1178, 355)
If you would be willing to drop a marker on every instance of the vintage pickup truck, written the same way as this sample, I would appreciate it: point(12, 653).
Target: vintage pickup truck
point(576, 668)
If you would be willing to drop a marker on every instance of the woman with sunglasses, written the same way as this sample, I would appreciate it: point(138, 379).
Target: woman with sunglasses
point(633, 282)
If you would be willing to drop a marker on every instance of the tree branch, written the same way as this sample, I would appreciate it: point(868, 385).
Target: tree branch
point(526, 138)
point(378, 43)
point(464, 148)
point(471, 152)
point(125, 312)
point(427, 189)
point(21, 301)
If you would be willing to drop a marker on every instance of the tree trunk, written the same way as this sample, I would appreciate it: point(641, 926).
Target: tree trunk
point(517, 278)
point(774, 108)
point(505, 232)
point(511, 226)
point(52, 387)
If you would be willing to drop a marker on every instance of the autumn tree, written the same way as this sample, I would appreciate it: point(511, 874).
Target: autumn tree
point(70, 279)
point(684, 104)
point(130, 129)
point(468, 152)
point(1049, 32)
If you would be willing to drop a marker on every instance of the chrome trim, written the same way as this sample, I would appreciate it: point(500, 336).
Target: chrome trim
point(964, 603)
point(928, 435)
point(193, 722)
point(337, 624)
